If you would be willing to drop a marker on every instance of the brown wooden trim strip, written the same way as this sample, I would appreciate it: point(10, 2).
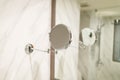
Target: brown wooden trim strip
point(52, 52)
point(53, 13)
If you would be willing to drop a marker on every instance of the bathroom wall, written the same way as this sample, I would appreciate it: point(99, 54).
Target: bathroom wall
point(28, 21)
point(83, 62)
point(106, 69)
point(68, 13)
point(23, 22)
point(109, 70)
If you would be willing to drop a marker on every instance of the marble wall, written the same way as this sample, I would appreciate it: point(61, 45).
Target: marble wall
point(28, 21)
point(83, 62)
point(68, 13)
point(23, 22)
point(107, 69)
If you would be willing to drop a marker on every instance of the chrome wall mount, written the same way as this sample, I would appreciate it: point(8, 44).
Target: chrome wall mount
point(29, 48)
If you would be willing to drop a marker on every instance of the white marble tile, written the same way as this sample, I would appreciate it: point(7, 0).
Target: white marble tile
point(28, 21)
point(22, 22)
point(108, 70)
point(68, 13)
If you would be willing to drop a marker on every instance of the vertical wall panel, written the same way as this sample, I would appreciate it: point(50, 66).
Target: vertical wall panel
point(28, 21)
point(83, 62)
point(107, 69)
point(23, 22)
point(110, 70)
point(116, 49)
point(68, 13)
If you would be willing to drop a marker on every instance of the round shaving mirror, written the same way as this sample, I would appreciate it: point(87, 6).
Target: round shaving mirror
point(60, 37)
point(88, 36)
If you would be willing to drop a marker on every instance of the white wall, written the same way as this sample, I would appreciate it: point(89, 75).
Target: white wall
point(83, 63)
point(28, 21)
point(22, 22)
point(108, 70)
point(68, 13)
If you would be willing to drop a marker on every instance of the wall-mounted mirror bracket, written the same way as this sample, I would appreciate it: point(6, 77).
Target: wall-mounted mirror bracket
point(29, 48)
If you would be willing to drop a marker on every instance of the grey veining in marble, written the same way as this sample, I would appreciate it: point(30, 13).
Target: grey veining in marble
point(28, 21)
point(108, 69)
point(68, 13)
point(22, 22)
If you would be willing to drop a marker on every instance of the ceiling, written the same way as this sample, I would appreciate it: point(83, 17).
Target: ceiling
point(104, 7)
